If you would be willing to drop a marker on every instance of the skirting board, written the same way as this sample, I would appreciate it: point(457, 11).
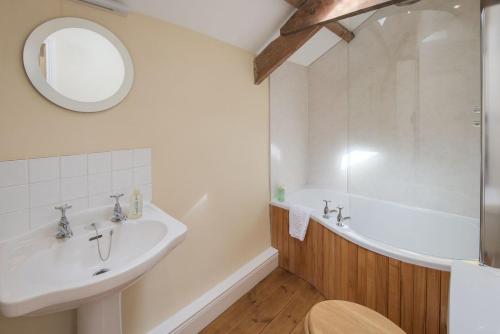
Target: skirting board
point(201, 312)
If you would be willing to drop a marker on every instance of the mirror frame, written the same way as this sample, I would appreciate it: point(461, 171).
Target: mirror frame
point(31, 58)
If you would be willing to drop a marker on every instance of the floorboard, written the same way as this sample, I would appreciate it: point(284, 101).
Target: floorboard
point(278, 304)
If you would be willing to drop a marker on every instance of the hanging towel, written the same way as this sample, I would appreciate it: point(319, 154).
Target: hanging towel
point(298, 221)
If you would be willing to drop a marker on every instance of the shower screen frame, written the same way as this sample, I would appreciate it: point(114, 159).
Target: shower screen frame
point(490, 139)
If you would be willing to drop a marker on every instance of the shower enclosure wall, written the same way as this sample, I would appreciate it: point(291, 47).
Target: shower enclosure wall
point(391, 117)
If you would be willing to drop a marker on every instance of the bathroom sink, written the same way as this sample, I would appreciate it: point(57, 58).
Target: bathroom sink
point(41, 274)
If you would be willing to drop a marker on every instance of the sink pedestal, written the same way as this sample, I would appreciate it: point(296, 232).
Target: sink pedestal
point(102, 316)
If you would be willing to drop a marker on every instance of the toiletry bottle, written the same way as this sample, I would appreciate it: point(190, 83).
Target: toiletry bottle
point(280, 193)
point(135, 208)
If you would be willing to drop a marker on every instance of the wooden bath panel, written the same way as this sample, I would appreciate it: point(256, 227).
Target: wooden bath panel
point(413, 297)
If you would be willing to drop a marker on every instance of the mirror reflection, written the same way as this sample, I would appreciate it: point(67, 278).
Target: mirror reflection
point(81, 65)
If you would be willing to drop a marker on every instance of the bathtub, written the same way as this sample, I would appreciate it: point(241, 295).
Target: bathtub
point(418, 236)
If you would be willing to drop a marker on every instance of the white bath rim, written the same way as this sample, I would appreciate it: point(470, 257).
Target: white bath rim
point(379, 247)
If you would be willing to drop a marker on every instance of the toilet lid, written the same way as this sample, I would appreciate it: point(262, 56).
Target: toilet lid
point(342, 317)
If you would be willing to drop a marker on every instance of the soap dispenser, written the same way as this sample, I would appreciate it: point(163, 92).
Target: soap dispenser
point(135, 208)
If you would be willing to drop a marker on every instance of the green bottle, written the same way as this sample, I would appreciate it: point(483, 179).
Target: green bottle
point(280, 193)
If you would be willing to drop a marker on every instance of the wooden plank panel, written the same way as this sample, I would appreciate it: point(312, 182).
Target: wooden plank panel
point(352, 272)
point(275, 223)
point(371, 289)
point(407, 297)
point(433, 301)
point(308, 249)
point(344, 271)
point(328, 265)
point(394, 292)
point(285, 235)
point(413, 297)
point(381, 284)
point(280, 240)
point(337, 261)
point(445, 290)
point(361, 288)
point(300, 258)
point(419, 296)
point(317, 255)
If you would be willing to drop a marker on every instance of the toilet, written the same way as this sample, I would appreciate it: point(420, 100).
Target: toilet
point(343, 317)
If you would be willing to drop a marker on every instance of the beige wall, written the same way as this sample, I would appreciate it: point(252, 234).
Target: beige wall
point(195, 104)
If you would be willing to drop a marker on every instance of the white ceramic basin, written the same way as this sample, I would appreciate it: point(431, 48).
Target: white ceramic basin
point(41, 274)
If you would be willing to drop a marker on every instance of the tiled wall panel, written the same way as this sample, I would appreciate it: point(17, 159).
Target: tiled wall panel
point(29, 189)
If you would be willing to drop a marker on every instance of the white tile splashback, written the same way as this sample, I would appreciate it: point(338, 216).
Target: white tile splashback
point(74, 165)
point(123, 159)
point(99, 162)
point(44, 169)
point(29, 189)
point(13, 198)
point(13, 173)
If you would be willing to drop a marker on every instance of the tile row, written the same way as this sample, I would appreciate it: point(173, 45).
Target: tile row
point(20, 172)
point(29, 189)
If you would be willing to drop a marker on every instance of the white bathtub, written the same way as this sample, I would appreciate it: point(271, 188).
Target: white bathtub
point(418, 236)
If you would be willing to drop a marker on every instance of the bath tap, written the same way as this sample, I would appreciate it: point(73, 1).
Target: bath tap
point(63, 229)
point(118, 215)
point(326, 210)
point(340, 218)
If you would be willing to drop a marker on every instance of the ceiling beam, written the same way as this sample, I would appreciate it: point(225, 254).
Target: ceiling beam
point(335, 27)
point(341, 31)
point(278, 51)
point(322, 12)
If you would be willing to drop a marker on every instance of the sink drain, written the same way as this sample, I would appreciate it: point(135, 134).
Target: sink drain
point(101, 271)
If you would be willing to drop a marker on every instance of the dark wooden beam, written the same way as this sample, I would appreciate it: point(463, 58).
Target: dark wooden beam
point(297, 3)
point(341, 31)
point(335, 27)
point(278, 51)
point(321, 12)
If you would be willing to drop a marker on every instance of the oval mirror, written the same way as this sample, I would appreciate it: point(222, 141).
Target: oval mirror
point(78, 64)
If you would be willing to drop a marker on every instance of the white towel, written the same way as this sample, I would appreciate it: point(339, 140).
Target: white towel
point(298, 221)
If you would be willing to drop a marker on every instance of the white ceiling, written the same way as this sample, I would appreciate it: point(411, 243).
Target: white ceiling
point(248, 24)
point(244, 23)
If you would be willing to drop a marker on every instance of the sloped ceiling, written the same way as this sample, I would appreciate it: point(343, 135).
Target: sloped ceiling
point(243, 23)
point(248, 24)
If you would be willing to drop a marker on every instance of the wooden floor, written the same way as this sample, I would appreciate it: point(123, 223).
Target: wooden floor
point(278, 304)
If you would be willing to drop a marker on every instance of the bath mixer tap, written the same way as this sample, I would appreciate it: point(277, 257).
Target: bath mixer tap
point(63, 229)
point(326, 210)
point(340, 218)
point(118, 215)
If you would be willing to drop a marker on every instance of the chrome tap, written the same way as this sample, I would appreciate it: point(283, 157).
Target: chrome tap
point(340, 218)
point(118, 215)
point(326, 210)
point(63, 229)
